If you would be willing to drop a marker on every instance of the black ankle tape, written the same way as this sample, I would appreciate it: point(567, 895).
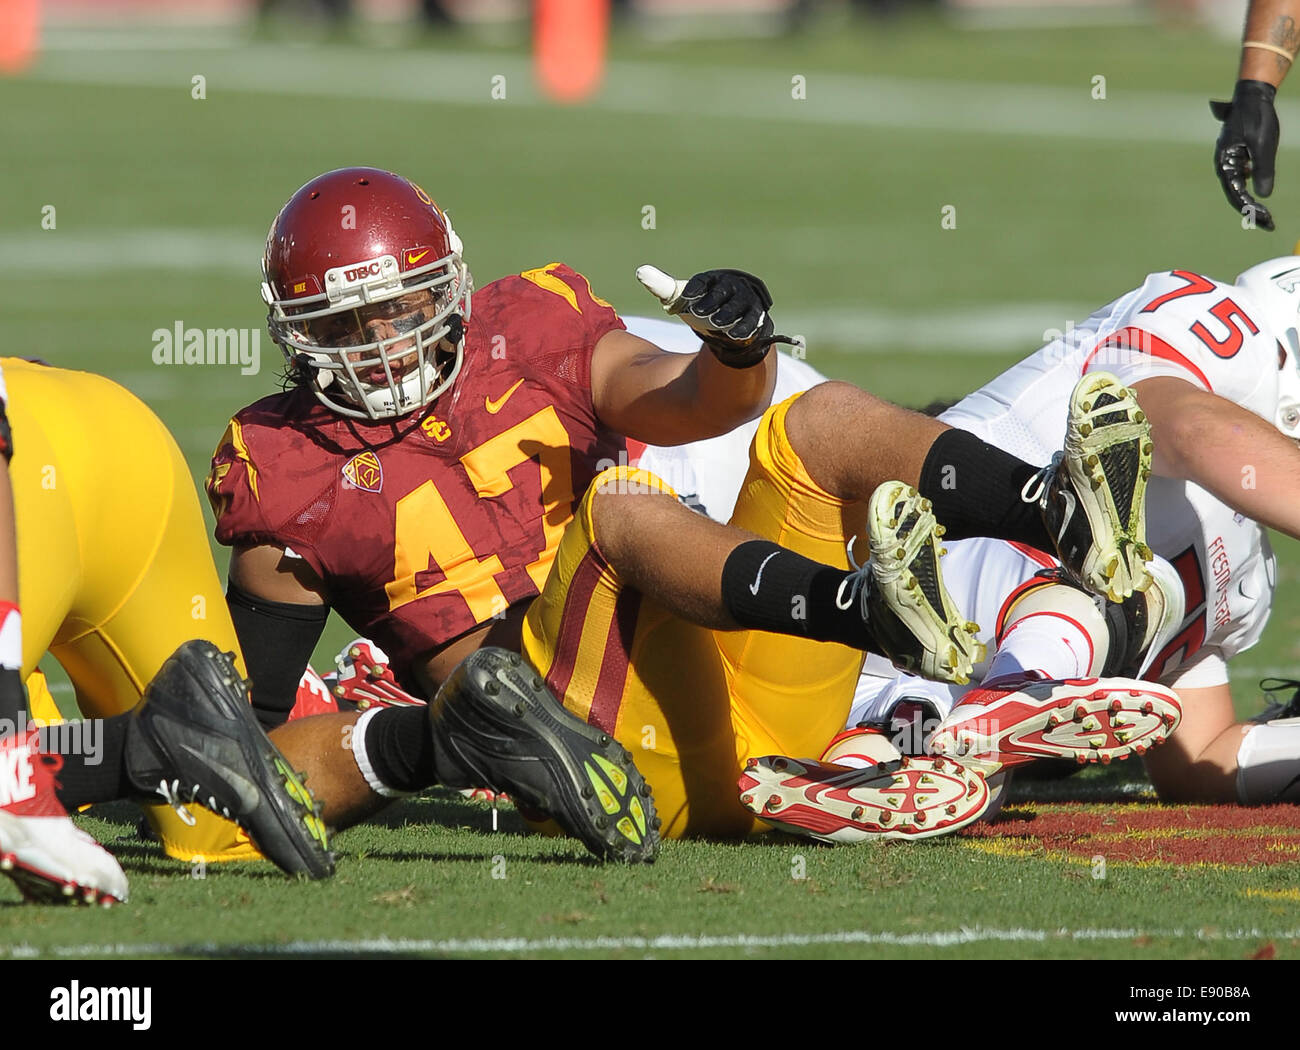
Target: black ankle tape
point(400, 748)
point(94, 764)
point(976, 490)
point(766, 587)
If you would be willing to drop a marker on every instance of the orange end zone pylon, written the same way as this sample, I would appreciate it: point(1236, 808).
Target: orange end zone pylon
point(569, 47)
point(19, 31)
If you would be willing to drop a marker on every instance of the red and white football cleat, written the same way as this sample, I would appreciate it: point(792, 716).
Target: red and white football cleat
point(365, 680)
point(911, 798)
point(1011, 722)
point(48, 857)
point(860, 747)
point(314, 697)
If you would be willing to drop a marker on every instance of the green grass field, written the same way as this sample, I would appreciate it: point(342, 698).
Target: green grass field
point(1062, 202)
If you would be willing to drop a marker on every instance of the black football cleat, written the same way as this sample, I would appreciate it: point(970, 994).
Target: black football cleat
point(1279, 710)
point(496, 725)
point(194, 738)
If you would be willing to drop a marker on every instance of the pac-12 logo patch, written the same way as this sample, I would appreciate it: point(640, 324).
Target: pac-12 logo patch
point(364, 471)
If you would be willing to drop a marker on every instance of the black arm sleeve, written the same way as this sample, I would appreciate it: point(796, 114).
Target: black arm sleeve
point(277, 639)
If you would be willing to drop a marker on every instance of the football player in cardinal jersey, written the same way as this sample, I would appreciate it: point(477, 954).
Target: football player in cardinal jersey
point(437, 478)
point(1216, 368)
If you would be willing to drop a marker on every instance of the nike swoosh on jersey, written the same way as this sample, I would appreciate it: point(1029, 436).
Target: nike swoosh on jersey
point(753, 587)
point(494, 407)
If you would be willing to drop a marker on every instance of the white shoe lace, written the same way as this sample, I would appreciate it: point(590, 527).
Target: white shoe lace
point(171, 793)
point(855, 582)
point(1041, 479)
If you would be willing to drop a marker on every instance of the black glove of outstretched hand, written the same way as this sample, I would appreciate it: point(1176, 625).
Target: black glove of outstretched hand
point(729, 310)
point(1247, 146)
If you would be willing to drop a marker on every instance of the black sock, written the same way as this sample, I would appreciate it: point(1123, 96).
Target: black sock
point(400, 748)
point(13, 701)
point(94, 760)
point(794, 595)
point(976, 491)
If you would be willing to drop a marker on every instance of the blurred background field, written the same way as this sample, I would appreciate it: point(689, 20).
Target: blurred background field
point(818, 148)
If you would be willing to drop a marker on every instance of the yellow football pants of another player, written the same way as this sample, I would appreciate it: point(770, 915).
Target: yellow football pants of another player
point(113, 563)
point(691, 704)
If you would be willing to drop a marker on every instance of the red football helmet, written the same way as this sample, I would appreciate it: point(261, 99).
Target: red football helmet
point(367, 291)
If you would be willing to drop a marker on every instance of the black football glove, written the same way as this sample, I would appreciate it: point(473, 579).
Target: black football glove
point(1247, 146)
point(729, 310)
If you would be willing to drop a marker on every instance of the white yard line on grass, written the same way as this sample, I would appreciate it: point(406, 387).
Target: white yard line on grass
point(1013, 328)
point(662, 89)
point(662, 943)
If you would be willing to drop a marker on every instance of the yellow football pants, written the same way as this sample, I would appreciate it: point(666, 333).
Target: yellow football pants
point(691, 704)
point(114, 568)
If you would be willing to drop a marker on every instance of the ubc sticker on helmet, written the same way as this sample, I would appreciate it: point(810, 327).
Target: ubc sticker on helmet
point(363, 282)
point(364, 471)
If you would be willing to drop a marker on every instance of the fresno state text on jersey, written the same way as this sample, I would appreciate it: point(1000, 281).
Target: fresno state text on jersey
point(425, 526)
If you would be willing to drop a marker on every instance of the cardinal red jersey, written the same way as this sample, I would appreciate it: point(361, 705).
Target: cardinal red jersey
point(426, 526)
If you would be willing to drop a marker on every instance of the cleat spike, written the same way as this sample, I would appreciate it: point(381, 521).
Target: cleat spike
point(772, 802)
